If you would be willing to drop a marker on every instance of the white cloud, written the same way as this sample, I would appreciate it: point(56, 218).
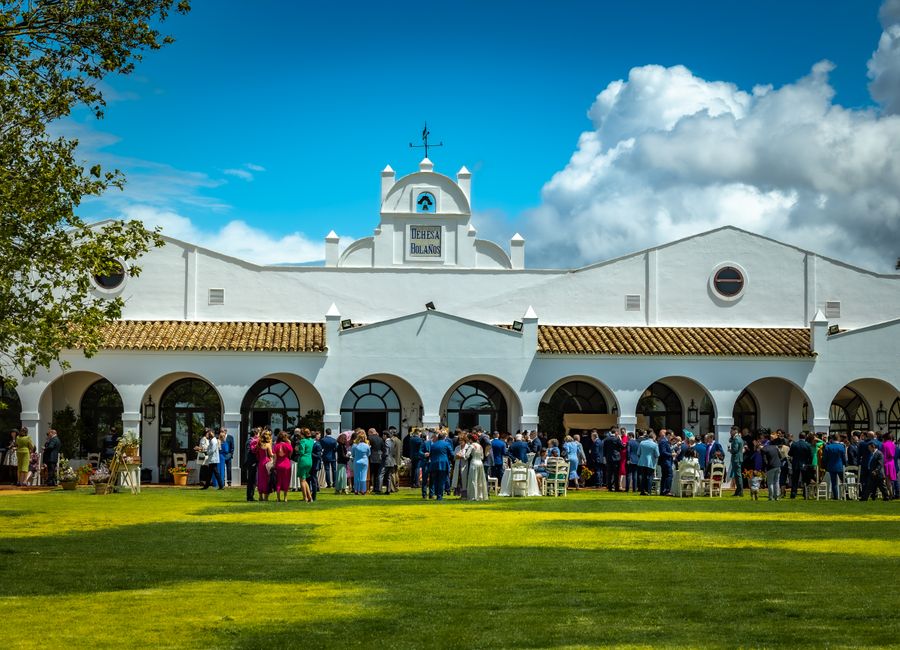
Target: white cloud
point(884, 66)
point(243, 174)
point(246, 172)
point(671, 154)
point(235, 238)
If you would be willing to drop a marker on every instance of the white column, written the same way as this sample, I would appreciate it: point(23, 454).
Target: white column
point(723, 437)
point(629, 422)
point(131, 424)
point(32, 420)
point(332, 421)
point(232, 423)
point(821, 426)
point(528, 423)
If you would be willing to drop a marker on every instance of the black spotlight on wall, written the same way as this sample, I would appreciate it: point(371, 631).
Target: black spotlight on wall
point(346, 324)
point(517, 326)
point(430, 306)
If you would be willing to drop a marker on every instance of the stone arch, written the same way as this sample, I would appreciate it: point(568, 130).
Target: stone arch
point(781, 404)
point(513, 405)
point(572, 394)
point(406, 414)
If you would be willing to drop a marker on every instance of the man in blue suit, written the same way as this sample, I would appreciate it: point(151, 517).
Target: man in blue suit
point(439, 461)
point(414, 443)
point(424, 455)
point(665, 463)
point(631, 463)
point(329, 457)
point(518, 450)
point(498, 451)
point(834, 456)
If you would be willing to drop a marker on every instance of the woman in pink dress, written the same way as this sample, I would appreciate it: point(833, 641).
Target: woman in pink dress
point(889, 449)
point(282, 453)
point(622, 470)
point(263, 451)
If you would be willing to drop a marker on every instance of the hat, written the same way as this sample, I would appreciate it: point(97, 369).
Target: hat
point(687, 434)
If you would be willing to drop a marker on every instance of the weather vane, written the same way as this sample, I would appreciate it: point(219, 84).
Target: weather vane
point(425, 145)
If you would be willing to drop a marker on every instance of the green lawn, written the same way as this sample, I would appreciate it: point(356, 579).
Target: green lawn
point(184, 568)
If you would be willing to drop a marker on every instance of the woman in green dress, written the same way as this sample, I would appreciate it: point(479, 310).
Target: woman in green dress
point(24, 447)
point(304, 462)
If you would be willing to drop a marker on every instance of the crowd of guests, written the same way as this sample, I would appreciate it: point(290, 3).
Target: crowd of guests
point(786, 463)
point(439, 462)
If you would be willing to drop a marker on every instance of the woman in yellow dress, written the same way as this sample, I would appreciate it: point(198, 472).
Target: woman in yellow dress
point(24, 447)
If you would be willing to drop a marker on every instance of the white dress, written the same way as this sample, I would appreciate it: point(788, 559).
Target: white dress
point(687, 467)
point(458, 481)
point(476, 485)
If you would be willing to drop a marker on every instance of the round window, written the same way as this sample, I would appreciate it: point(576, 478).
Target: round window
point(728, 281)
point(113, 279)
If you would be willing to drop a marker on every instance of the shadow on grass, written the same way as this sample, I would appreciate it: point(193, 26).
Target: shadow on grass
point(484, 596)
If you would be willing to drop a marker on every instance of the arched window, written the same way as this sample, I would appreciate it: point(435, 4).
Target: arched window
point(571, 397)
point(477, 403)
point(746, 412)
point(10, 410)
point(661, 406)
point(101, 414)
point(707, 416)
point(370, 404)
point(271, 403)
point(894, 418)
point(578, 397)
point(848, 412)
point(186, 409)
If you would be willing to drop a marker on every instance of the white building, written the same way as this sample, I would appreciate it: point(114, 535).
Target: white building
point(727, 326)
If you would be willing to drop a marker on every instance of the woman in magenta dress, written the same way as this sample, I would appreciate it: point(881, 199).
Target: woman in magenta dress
point(624, 454)
point(263, 451)
point(282, 453)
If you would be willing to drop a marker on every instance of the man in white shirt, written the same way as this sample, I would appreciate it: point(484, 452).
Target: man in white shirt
point(212, 460)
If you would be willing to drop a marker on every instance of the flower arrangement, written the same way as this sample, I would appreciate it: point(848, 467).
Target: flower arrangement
point(84, 470)
point(586, 473)
point(100, 475)
point(179, 469)
point(130, 440)
point(753, 473)
point(64, 471)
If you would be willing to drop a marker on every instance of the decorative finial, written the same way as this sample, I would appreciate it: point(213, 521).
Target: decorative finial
point(425, 145)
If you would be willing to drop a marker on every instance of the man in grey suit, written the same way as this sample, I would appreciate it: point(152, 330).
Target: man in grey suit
point(376, 444)
point(388, 464)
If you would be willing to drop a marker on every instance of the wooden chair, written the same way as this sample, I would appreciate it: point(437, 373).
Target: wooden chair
point(717, 479)
point(179, 459)
point(518, 484)
point(93, 460)
point(656, 481)
point(557, 480)
point(493, 485)
point(690, 478)
point(850, 484)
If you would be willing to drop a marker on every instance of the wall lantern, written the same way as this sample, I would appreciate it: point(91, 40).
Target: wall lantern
point(693, 414)
point(517, 326)
point(880, 414)
point(149, 410)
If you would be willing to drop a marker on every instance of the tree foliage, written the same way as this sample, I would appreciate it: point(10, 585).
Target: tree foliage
point(53, 55)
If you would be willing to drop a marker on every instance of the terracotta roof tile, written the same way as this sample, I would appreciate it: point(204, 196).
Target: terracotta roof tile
point(226, 336)
point(675, 341)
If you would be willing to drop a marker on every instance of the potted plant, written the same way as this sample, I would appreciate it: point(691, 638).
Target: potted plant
point(67, 476)
point(84, 473)
point(131, 446)
point(100, 479)
point(179, 474)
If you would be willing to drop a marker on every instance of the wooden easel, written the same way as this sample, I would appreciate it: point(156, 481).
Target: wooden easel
point(119, 466)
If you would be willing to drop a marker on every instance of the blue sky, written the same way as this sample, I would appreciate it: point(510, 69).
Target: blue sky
point(280, 115)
